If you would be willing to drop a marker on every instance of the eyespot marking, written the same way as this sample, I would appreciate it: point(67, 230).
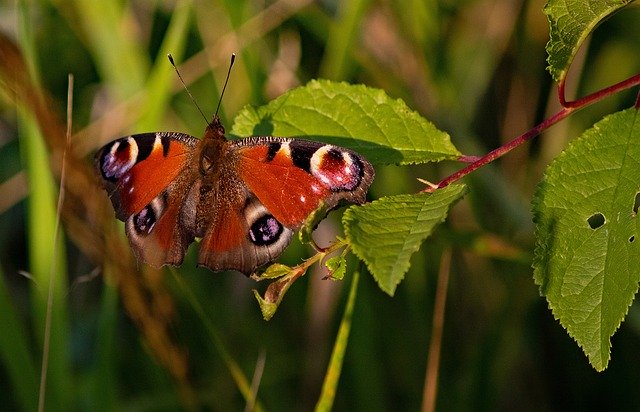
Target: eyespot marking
point(265, 231)
point(119, 158)
point(121, 155)
point(144, 221)
point(339, 170)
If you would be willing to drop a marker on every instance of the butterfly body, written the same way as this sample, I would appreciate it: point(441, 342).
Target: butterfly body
point(243, 198)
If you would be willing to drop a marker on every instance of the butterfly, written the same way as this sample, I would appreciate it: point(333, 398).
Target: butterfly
point(242, 198)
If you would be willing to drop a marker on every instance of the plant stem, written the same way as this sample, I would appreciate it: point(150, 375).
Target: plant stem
point(599, 95)
point(568, 108)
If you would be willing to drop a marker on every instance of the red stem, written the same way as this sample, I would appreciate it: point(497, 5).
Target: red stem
point(568, 108)
point(561, 94)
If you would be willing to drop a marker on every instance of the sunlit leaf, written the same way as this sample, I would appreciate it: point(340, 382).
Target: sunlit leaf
point(588, 244)
point(570, 22)
point(386, 232)
point(364, 119)
point(337, 266)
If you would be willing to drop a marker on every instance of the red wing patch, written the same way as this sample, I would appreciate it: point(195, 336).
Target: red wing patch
point(226, 233)
point(242, 236)
point(225, 244)
point(287, 191)
point(136, 169)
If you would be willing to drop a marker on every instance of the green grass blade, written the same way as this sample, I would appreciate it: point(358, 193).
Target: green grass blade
point(104, 377)
point(161, 78)
point(242, 382)
point(46, 255)
point(15, 355)
point(118, 54)
point(342, 39)
point(332, 377)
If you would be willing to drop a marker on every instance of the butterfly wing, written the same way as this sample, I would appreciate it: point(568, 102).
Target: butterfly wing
point(242, 235)
point(149, 180)
point(293, 177)
point(243, 198)
point(136, 169)
point(268, 189)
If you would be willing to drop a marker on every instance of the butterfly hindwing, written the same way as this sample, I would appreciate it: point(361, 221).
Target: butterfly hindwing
point(161, 232)
point(243, 234)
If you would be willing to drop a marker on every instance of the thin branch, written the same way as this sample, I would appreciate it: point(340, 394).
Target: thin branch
point(569, 107)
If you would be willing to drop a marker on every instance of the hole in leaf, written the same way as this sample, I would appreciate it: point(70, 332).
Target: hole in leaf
point(596, 220)
point(636, 204)
point(631, 239)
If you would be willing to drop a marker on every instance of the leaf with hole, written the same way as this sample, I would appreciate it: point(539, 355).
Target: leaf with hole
point(587, 256)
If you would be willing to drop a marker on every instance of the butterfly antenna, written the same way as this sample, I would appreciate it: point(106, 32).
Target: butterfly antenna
point(233, 59)
point(186, 88)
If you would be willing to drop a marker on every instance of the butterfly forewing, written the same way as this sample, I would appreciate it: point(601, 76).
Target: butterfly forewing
point(135, 169)
point(291, 177)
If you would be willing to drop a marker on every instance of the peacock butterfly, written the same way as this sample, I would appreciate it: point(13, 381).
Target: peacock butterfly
point(243, 198)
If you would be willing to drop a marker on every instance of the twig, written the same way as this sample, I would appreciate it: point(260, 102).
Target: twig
point(569, 107)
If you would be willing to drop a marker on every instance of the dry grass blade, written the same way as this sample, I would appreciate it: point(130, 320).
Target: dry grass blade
point(89, 220)
point(433, 363)
point(47, 331)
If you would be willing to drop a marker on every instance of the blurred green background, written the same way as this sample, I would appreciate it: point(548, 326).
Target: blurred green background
point(476, 68)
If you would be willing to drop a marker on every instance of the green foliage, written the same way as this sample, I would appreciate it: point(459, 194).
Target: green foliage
point(47, 264)
point(331, 378)
point(15, 354)
point(587, 248)
point(382, 129)
point(386, 232)
point(570, 22)
point(337, 267)
point(481, 82)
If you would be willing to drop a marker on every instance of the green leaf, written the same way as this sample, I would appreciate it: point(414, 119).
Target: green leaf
point(311, 222)
point(570, 22)
point(276, 290)
point(361, 118)
point(267, 307)
point(386, 232)
point(274, 271)
point(337, 266)
point(587, 251)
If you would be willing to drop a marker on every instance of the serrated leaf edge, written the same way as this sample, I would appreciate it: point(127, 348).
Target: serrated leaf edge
point(390, 288)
